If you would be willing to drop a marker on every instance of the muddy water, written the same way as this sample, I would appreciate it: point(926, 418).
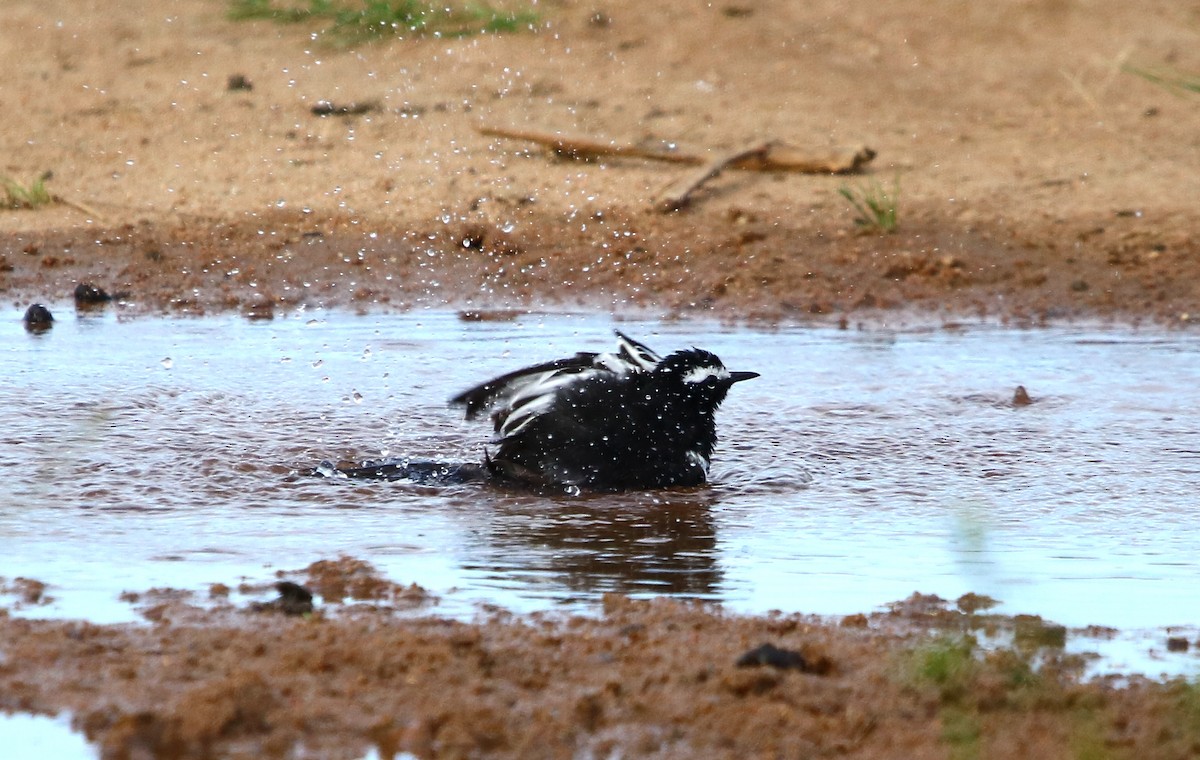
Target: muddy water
point(861, 466)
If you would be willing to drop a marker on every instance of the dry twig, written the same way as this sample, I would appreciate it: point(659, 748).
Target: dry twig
point(676, 195)
point(775, 157)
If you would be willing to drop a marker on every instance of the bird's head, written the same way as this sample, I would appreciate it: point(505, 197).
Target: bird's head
point(699, 375)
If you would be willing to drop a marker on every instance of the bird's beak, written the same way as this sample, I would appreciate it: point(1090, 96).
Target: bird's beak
point(737, 377)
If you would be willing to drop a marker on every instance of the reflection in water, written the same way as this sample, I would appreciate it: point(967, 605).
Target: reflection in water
point(663, 544)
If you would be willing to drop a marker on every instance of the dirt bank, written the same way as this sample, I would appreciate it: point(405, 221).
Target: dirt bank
point(207, 678)
point(1038, 180)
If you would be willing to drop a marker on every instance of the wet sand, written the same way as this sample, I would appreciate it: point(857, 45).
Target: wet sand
point(660, 678)
point(679, 267)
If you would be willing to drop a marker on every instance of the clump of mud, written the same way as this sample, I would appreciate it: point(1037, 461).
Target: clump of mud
point(335, 580)
point(26, 590)
point(662, 677)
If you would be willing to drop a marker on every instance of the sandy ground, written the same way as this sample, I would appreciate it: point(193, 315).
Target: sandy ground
point(1038, 183)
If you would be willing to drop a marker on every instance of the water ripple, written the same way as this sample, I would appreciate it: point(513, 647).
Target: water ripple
point(861, 466)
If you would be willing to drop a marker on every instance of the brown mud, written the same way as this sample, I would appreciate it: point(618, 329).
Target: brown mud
point(661, 678)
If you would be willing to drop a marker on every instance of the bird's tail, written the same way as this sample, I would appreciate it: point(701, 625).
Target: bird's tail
point(419, 472)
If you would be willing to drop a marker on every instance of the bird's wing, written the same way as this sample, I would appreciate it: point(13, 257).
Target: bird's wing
point(636, 354)
point(521, 396)
point(499, 391)
point(540, 396)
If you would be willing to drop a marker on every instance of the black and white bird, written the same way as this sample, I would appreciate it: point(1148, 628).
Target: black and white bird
point(606, 421)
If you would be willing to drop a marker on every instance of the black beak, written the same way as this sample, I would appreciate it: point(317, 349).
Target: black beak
point(737, 377)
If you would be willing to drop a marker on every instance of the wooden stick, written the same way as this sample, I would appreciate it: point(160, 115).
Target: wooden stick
point(585, 148)
point(676, 195)
point(784, 158)
point(775, 158)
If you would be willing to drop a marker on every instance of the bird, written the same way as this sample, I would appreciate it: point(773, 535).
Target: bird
point(614, 421)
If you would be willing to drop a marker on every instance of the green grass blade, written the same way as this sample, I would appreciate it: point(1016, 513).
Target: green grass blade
point(1169, 79)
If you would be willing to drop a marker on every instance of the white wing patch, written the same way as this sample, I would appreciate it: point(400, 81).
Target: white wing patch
point(700, 374)
point(635, 354)
point(535, 395)
point(615, 363)
point(545, 384)
point(519, 419)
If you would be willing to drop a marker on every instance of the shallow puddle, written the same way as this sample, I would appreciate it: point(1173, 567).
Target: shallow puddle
point(38, 737)
point(861, 466)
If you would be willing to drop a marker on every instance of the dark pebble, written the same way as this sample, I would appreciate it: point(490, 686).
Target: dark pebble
point(38, 318)
point(769, 654)
point(87, 293)
point(293, 599)
point(1021, 397)
point(294, 595)
point(238, 82)
point(1177, 644)
point(260, 311)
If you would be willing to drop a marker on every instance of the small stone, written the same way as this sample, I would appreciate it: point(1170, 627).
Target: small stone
point(260, 310)
point(238, 82)
point(38, 318)
point(769, 654)
point(294, 599)
point(1177, 644)
point(88, 294)
point(1021, 397)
